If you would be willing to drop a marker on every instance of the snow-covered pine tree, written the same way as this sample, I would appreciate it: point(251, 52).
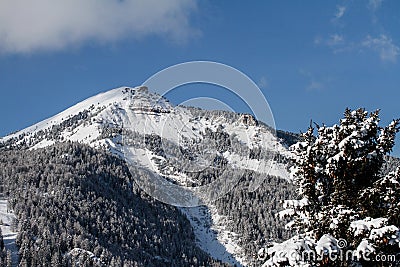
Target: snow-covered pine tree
point(341, 194)
point(383, 198)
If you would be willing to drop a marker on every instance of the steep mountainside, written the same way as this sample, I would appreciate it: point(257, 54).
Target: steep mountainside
point(186, 146)
point(100, 120)
point(72, 181)
point(76, 204)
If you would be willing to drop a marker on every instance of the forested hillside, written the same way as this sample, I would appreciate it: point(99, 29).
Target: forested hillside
point(71, 196)
point(72, 182)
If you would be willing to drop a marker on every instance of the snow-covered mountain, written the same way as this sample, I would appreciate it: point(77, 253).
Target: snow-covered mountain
point(98, 121)
point(174, 141)
point(93, 190)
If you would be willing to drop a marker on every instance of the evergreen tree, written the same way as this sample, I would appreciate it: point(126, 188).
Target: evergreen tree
point(341, 191)
point(85, 209)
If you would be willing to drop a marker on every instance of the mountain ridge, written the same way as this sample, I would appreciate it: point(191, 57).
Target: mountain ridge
point(186, 146)
point(167, 140)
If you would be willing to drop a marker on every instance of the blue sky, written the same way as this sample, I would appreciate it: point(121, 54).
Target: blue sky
point(311, 59)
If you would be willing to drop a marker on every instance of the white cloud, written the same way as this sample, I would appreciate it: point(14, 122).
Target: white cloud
point(340, 12)
point(374, 4)
point(335, 39)
point(314, 84)
point(388, 51)
point(29, 26)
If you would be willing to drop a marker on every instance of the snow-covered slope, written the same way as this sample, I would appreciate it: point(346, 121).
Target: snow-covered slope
point(84, 121)
point(97, 121)
point(212, 236)
point(7, 225)
point(158, 129)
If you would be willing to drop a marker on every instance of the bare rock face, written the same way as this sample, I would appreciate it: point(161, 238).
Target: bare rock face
point(248, 119)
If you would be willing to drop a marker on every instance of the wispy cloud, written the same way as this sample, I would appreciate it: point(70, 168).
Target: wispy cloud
point(29, 26)
point(383, 45)
point(374, 4)
point(340, 10)
point(313, 84)
point(388, 51)
point(335, 39)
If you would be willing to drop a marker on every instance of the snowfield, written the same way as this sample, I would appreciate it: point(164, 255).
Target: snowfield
point(9, 234)
point(212, 236)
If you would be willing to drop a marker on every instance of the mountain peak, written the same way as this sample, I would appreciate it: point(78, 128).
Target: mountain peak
point(138, 97)
point(182, 146)
point(100, 121)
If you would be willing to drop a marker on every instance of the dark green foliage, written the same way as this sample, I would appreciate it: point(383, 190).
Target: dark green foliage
point(252, 215)
point(341, 175)
point(71, 196)
point(288, 138)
